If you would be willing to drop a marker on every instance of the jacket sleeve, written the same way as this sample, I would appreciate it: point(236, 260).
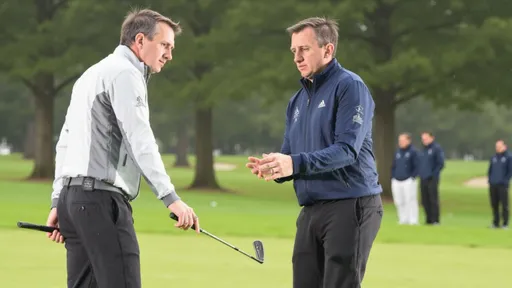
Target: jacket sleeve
point(60, 154)
point(285, 147)
point(509, 168)
point(415, 164)
point(129, 102)
point(393, 166)
point(489, 170)
point(353, 121)
point(439, 161)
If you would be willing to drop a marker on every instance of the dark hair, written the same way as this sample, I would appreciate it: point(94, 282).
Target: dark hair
point(326, 30)
point(144, 21)
point(406, 134)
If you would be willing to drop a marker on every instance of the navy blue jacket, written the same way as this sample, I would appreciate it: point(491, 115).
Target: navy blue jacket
point(431, 161)
point(406, 164)
point(328, 134)
point(500, 169)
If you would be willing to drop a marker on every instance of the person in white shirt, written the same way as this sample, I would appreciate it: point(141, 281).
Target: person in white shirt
point(404, 183)
point(106, 144)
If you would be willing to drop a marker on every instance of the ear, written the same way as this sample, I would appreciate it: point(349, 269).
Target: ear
point(139, 40)
point(329, 50)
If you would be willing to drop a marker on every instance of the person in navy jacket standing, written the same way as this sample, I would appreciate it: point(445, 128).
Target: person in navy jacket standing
point(404, 185)
point(499, 174)
point(431, 165)
point(327, 152)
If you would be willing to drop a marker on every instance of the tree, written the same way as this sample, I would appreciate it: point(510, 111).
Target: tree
point(410, 49)
point(450, 52)
point(49, 53)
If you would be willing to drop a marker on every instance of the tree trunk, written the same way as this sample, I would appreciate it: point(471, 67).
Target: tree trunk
point(384, 130)
point(204, 177)
point(44, 157)
point(182, 147)
point(29, 142)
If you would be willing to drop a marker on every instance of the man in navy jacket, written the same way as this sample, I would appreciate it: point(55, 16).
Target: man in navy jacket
point(431, 165)
point(327, 152)
point(404, 171)
point(499, 174)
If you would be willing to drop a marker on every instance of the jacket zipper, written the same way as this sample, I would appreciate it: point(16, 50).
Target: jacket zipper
point(307, 126)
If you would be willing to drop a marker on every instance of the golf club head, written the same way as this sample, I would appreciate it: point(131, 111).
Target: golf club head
point(260, 252)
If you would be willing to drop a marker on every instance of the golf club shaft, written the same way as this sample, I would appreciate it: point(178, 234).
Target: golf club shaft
point(175, 217)
point(227, 244)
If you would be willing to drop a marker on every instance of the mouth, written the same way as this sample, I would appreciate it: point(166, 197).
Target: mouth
point(162, 62)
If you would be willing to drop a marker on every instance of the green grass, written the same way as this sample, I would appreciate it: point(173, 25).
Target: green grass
point(450, 255)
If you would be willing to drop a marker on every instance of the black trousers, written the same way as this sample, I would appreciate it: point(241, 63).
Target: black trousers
point(102, 248)
point(333, 242)
point(499, 195)
point(430, 199)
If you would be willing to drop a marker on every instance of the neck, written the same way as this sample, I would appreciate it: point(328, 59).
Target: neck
point(320, 70)
point(135, 51)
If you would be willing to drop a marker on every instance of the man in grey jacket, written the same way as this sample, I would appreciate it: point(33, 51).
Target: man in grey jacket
point(106, 144)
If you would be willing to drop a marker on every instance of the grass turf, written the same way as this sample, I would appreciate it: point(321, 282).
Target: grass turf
point(450, 255)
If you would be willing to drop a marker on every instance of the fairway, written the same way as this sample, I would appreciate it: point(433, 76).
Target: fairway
point(454, 254)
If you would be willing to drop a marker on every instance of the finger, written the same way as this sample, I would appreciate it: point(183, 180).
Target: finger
point(191, 219)
point(54, 235)
point(253, 159)
point(181, 220)
point(251, 165)
point(269, 166)
point(255, 171)
point(273, 177)
point(267, 160)
point(61, 238)
point(196, 223)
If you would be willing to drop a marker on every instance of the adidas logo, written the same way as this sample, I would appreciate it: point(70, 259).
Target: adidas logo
point(322, 104)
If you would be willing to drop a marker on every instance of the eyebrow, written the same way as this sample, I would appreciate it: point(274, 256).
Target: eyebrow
point(301, 46)
point(168, 44)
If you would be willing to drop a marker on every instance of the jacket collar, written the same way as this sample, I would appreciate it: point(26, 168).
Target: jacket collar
point(332, 67)
point(126, 52)
point(406, 149)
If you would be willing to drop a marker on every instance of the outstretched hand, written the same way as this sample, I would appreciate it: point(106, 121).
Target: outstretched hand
point(272, 166)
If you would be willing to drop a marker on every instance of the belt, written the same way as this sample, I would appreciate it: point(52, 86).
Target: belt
point(89, 184)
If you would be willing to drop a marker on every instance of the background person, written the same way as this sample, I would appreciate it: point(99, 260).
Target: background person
point(431, 165)
point(404, 185)
point(499, 174)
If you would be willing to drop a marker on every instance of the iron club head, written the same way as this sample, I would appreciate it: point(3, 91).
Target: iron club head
point(260, 252)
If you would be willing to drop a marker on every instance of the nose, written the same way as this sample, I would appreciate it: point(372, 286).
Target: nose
point(297, 58)
point(168, 55)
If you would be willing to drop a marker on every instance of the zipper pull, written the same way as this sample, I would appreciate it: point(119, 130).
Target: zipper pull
point(308, 102)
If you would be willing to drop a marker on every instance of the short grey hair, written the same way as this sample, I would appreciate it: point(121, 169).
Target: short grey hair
point(326, 30)
point(144, 21)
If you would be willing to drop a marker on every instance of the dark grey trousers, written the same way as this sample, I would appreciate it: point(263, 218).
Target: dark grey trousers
point(102, 248)
point(499, 195)
point(333, 242)
point(429, 189)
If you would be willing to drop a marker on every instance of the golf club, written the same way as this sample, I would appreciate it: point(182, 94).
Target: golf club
point(258, 245)
point(37, 227)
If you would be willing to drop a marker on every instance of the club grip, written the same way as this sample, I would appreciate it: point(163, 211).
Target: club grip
point(37, 227)
point(175, 218)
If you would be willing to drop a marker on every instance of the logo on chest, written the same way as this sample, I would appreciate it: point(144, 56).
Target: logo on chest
point(296, 114)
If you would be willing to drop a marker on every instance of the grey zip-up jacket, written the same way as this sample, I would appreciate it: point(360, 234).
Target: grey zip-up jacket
point(106, 133)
